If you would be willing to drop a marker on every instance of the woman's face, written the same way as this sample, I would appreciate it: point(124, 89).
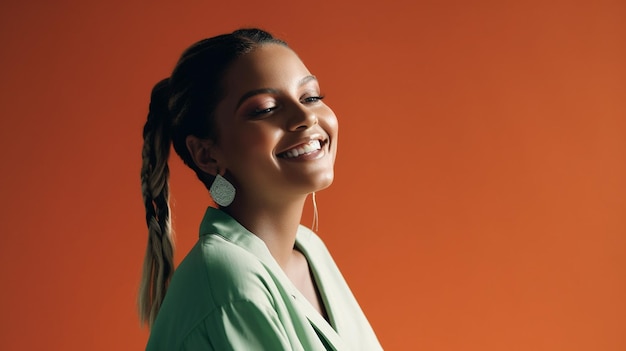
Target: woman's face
point(277, 138)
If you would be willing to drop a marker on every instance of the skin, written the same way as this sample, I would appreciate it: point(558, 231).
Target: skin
point(271, 105)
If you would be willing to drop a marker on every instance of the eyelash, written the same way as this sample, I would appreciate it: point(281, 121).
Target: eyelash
point(311, 99)
point(307, 100)
point(257, 113)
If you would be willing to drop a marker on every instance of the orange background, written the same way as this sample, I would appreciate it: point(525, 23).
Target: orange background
point(480, 192)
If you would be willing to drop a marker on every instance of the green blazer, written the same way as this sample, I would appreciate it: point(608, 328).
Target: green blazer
point(230, 294)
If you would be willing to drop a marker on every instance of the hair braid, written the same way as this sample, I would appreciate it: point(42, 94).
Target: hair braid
point(159, 260)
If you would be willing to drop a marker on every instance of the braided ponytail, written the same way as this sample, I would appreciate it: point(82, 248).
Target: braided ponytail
point(158, 264)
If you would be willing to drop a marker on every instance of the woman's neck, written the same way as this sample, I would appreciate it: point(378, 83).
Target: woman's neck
point(275, 223)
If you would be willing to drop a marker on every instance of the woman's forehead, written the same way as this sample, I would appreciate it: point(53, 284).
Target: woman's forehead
point(268, 66)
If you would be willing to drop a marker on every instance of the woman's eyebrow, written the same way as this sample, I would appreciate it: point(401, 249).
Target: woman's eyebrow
point(254, 92)
point(306, 79)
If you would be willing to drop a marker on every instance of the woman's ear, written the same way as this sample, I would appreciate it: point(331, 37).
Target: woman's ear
point(203, 153)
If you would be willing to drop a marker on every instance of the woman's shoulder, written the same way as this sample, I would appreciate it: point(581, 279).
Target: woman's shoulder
point(224, 270)
point(214, 274)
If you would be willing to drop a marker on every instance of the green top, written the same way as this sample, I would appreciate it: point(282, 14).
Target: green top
point(230, 294)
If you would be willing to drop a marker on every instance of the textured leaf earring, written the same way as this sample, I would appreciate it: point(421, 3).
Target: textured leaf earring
point(222, 191)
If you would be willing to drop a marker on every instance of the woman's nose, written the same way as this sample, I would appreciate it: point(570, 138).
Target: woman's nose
point(301, 118)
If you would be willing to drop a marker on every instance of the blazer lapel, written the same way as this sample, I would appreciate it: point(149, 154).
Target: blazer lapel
point(318, 322)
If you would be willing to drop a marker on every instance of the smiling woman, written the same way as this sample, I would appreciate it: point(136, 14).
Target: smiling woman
point(247, 116)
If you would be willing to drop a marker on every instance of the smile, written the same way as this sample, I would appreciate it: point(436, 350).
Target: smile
point(303, 149)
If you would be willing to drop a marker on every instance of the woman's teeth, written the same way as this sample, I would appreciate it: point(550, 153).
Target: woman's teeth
point(313, 145)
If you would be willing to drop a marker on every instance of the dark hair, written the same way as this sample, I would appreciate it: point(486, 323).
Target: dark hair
point(181, 105)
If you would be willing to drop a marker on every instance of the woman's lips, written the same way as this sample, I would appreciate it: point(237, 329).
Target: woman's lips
point(309, 148)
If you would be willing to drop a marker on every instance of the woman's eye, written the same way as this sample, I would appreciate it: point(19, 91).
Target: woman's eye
point(312, 99)
point(262, 111)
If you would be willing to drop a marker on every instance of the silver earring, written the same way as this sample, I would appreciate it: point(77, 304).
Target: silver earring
point(222, 191)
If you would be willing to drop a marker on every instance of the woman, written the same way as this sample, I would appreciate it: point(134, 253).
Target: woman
point(247, 116)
